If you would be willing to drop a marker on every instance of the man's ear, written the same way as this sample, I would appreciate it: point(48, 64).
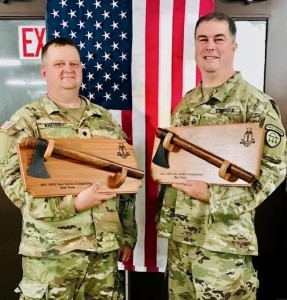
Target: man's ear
point(43, 71)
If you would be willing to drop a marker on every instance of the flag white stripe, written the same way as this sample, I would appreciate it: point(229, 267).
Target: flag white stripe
point(189, 66)
point(117, 114)
point(165, 62)
point(138, 93)
point(164, 98)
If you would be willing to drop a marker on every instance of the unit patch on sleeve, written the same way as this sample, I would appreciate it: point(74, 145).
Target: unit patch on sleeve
point(273, 135)
point(7, 125)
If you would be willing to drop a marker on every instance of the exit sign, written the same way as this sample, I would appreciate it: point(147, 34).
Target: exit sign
point(31, 41)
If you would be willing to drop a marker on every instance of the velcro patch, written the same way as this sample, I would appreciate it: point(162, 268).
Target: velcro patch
point(273, 135)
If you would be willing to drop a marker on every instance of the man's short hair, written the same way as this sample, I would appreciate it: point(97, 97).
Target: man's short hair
point(218, 17)
point(59, 41)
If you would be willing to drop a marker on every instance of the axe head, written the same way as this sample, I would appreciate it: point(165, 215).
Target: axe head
point(160, 157)
point(37, 167)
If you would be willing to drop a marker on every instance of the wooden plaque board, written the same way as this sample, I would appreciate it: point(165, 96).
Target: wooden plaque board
point(70, 177)
point(228, 142)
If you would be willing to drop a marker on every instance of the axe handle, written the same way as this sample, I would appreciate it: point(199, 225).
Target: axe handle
point(87, 158)
point(206, 155)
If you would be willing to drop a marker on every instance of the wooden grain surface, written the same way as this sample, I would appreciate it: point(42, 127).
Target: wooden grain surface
point(68, 176)
point(225, 141)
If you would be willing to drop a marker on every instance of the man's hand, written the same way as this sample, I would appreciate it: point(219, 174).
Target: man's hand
point(90, 197)
point(125, 253)
point(195, 189)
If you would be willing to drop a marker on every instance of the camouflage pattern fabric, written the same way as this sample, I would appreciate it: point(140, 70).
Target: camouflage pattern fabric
point(226, 224)
point(210, 275)
point(51, 226)
point(76, 275)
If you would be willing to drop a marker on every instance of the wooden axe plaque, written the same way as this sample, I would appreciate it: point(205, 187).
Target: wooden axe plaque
point(229, 147)
point(69, 176)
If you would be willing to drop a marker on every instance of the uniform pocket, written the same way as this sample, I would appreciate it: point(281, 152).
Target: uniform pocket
point(34, 290)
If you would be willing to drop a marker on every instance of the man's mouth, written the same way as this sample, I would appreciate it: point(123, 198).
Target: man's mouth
point(210, 57)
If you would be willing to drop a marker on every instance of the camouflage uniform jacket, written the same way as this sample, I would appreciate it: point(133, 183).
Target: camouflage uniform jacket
point(51, 225)
point(226, 224)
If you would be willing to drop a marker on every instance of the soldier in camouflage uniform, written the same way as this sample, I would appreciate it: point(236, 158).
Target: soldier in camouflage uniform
point(210, 227)
point(70, 245)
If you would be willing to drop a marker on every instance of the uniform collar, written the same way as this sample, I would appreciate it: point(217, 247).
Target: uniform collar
point(222, 91)
point(51, 107)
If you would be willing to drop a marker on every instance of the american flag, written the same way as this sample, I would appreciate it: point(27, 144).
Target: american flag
point(138, 58)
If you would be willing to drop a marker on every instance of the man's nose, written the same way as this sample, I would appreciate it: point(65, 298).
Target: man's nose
point(210, 44)
point(68, 67)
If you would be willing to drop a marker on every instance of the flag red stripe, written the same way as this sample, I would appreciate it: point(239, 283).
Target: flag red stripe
point(206, 7)
point(127, 124)
point(177, 51)
point(151, 107)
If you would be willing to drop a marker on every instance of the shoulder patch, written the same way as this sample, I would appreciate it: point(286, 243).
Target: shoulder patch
point(274, 105)
point(273, 135)
point(7, 125)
